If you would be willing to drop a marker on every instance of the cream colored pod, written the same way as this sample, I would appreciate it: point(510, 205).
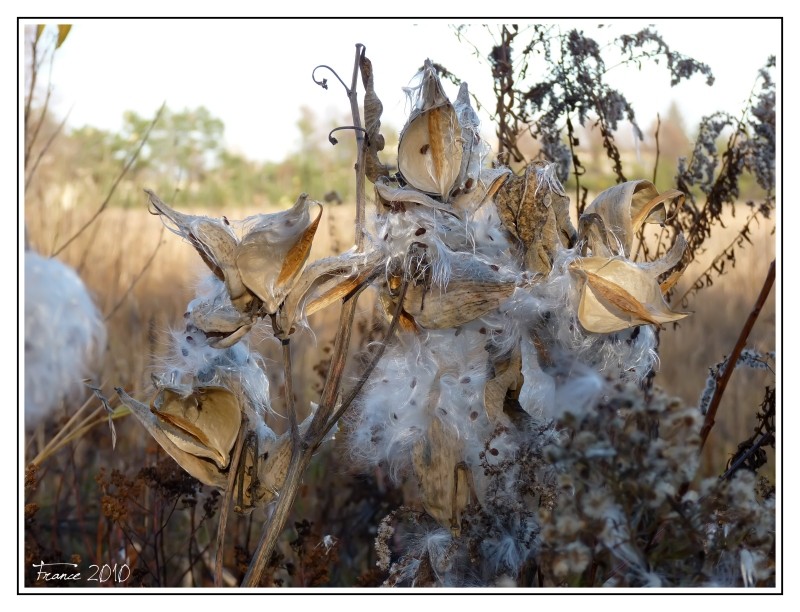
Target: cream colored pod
point(198, 430)
point(617, 293)
point(431, 144)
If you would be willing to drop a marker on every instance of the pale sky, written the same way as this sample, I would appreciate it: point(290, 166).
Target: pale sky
point(256, 74)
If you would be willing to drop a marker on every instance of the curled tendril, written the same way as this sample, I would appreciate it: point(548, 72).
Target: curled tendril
point(333, 141)
point(324, 82)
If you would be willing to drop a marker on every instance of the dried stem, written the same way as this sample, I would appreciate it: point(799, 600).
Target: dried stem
point(288, 392)
point(376, 358)
point(658, 147)
point(724, 375)
point(765, 437)
point(233, 471)
point(303, 453)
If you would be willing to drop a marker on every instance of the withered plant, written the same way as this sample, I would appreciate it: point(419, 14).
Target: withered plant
point(510, 398)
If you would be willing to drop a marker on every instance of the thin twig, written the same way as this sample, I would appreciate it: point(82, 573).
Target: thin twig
point(30, 172)
point(117, 181)
point(724, 375)
point(658, 147)
point(693, 285)
point(233, 471)
point(765, 437)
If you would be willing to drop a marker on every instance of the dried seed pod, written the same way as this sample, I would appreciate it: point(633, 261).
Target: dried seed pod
point(535, 209)
point(216, 317)
point(322, 283)
point(431, 146)
point(618, 294)
point(204, 423)
point(624, 208)
point(398, 195)
point(215, 242)
point(474, 192)
point(442, 476)
point(205, 471)
point(273, 252)
point(473, 289)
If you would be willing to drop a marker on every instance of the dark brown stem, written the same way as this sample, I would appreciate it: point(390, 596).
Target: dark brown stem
point(376, 358)
point(226, 503)
point(288, 392)
point(302, 454)
point(765, 437)
point(724, 375)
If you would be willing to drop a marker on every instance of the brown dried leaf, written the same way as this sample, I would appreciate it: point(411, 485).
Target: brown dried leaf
point(373, 109)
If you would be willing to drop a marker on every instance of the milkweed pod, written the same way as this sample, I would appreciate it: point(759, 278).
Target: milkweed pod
point(618, 294)
point(275, 249)
point(473, 289)
point(623, 209)
point(431, 145)
point(204, 423)
point(474, 192)
point(442, 476)
point(204, 470)
point(216, 243)
point(324, 282)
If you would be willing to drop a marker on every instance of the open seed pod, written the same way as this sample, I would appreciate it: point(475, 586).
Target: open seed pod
point(611, 221)
point(474, 288)
point(617, 294)
point(431, 145)
point(216, 317)
point(216, 243)
point(273, 252)
point(177, 432)
point(324, 282)
point(473, 192)
point(204, 423)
